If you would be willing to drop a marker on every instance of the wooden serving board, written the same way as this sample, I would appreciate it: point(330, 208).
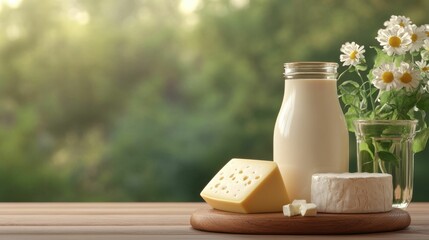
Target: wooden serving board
point(206, 219)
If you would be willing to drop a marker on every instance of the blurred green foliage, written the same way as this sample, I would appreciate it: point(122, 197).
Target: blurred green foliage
point(142, 100)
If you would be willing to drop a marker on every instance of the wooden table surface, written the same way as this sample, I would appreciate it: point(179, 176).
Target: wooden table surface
point(147, 221)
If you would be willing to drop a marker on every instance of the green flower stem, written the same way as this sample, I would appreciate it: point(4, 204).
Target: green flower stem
point(370, 94)
point(378, 96)
point(341, 74)
point(376, 157)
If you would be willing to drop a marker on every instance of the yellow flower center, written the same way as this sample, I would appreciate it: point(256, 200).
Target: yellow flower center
point(414, 37)
point(406, 77)
point(402, 24)
point(353, 55)
point(387, 77)
point(425, 69)
point(395, 41)
point(427, 33)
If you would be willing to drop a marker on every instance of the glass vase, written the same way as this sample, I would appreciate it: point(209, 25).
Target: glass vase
point(386, 146)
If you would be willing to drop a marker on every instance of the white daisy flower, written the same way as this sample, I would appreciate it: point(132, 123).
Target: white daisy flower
point(386, 77)
point(394, 40)
point(424, 67)
point(425, 51)
point(401, 21)
point(427, 30)
point(409, 78)
point(418, 35)
point(353, 54)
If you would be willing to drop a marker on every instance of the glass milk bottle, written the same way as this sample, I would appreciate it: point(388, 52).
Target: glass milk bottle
point(310, 134)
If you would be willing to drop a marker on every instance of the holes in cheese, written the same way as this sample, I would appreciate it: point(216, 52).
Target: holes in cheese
point(251, 186)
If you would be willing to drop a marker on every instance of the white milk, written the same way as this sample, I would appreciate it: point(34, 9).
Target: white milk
point(310, 135)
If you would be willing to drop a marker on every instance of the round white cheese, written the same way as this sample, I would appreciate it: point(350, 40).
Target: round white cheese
point(352, 192)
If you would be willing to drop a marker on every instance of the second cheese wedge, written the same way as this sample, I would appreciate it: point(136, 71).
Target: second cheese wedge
point(247, 186)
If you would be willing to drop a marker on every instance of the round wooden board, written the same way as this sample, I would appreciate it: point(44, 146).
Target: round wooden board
point(212, 220)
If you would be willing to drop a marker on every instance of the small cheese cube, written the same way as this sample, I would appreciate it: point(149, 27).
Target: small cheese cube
point(299, 201)
point(308, 209)
point(296, 205)
point(289, 210)
point(247, 186)
point(300, 207)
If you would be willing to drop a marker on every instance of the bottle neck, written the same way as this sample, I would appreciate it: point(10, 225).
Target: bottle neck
point(311, 70)
point(315, 89)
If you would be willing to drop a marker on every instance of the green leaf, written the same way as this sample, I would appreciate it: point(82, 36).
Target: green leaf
point(350, 99)
point(349, 86)
point(350, 93)
point(381, 57)
point(423, 103)
point(366, 161)
point(420, 140)
point(386, 97)
point(369, 147)
point(363, 105)
point(405, 102)
point(384, 111)
point(383, 145)
point(388, 157)
point(420, 116)
point(351, 115)
point(361, 68)
point(373, 130)
point(415, 54)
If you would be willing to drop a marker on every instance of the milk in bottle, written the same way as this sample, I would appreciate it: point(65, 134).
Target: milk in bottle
point(310, 134)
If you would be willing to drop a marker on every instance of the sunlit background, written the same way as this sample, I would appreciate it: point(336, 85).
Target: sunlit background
point(144, 100)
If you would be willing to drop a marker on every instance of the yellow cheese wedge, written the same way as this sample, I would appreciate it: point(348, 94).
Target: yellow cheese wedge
point(247, 186)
